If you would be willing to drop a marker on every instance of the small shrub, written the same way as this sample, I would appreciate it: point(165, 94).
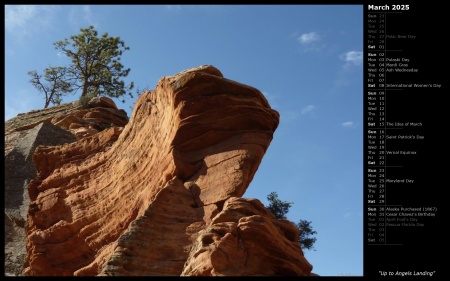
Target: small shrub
point(84, 100)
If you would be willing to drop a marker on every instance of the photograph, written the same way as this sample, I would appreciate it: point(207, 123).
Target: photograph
point(184, 140)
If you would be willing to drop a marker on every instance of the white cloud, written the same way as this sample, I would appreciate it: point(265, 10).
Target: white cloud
point(82, 17)
point(311, 42)
point(353, 57)
point(23, 21)
point(10, 112)
point(272, 100)
point(348, 215)
point(308, 38)
point(348, 124)
point(208, 9)
point(17, 16)
point(22, 104)
point(88, 14)
point(267, 95)
point(308, 109)
point(270, 97)
point(173, 8)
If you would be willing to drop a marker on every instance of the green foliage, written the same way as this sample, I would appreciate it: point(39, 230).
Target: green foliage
point(306, 231)
point(95, 68)
point(280, 209)
point(84, 100)
point(55, 85)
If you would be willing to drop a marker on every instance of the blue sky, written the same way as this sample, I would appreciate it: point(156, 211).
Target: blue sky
point(306, 60)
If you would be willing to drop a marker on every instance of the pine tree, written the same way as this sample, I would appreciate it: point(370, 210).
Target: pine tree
point(56, 84)
point(280, 209)
point(96, 67)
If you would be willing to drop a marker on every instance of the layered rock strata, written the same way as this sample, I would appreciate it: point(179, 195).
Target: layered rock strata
point(140, 201)
point(244, 239)
point(19, 170)
point(51, 126)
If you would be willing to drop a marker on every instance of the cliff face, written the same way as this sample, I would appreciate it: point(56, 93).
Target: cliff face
point(51, 126)
point(161, 196)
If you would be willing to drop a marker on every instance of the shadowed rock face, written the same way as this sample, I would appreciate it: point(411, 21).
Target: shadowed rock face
point(137, 201)
point(51, 126)
point(245, 239)
point(19, 170)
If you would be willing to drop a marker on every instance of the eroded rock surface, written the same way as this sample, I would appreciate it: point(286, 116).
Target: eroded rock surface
point(245, 239)
point(51, 126)
point(19, 170)
point(99, 114)
point(140, 201)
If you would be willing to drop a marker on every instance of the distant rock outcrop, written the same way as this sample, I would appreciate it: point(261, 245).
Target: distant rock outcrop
point(161, 197)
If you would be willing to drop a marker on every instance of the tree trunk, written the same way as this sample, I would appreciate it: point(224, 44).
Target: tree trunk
point(85, 88)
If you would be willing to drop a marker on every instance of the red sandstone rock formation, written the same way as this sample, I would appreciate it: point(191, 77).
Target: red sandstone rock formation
point(245, 239)
point(99, 114)
point(161, 197)
point(51, 126)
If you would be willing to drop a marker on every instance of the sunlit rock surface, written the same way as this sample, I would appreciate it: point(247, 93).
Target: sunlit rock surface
point(161, 195)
